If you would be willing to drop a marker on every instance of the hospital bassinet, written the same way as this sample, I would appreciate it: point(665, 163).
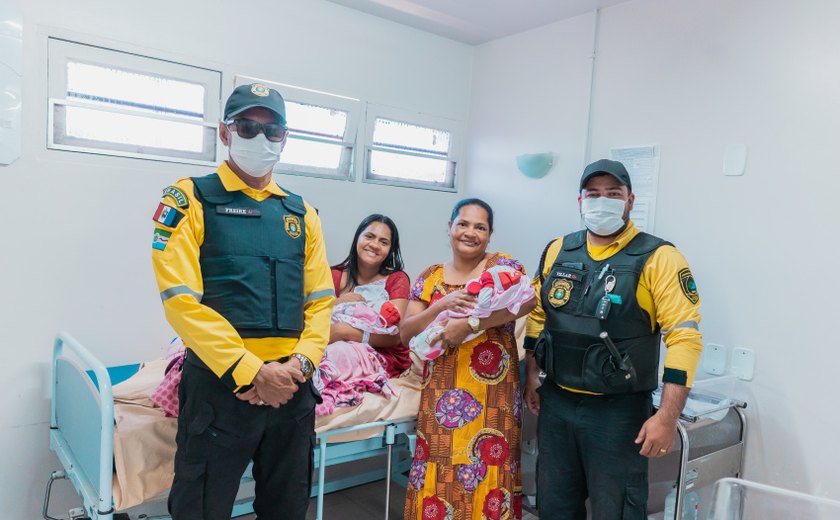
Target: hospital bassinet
point(736, 499)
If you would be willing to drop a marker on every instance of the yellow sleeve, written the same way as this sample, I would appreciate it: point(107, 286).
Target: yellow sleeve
point(175, 259)
point(536, 319)
point(318, 292)
point(667, 280)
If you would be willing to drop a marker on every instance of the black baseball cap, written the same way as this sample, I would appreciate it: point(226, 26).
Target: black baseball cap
point(606, 167)
point(244, 97)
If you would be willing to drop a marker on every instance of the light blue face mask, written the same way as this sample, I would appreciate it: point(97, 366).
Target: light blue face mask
point(602, 216)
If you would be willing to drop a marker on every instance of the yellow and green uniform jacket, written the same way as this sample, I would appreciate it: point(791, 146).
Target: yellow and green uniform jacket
point(176, 247)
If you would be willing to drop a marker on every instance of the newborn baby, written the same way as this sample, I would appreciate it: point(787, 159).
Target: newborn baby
point(499, 287)
point(375, 315)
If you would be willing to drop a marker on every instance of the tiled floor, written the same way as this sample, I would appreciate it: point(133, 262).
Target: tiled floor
point(364, 503)
point(361, 503)
point(358, 503)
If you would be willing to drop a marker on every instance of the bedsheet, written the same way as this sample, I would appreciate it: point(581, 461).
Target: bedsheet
point(144, 438)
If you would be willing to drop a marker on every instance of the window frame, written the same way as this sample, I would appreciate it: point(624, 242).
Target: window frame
point(452, 126)
point(61, 50)
point(353, 108)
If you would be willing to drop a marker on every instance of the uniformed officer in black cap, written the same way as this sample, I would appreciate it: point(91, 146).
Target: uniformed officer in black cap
point(243, 275)
point(607, 295)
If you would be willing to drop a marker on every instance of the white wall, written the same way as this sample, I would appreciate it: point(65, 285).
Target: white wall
point(77, 252)
point(530, 95)
point(693, 77)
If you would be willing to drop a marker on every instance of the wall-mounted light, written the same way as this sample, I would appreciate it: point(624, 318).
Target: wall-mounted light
point(535, 165)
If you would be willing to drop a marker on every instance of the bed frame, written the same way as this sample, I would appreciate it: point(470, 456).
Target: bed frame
point(82, 436)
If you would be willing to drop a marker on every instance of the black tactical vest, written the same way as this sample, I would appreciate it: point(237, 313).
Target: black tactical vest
point(570, 349)
point(252, 259)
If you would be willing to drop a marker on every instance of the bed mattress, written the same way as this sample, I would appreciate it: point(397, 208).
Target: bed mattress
point(144, 438)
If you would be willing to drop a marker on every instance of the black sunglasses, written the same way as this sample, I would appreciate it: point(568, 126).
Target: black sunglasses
point(247, 129)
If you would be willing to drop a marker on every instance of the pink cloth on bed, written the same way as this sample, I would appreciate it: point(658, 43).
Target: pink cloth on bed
point(347, 370)
point(166, 394)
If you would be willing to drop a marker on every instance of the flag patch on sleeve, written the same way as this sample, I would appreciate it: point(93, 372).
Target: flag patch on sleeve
point(160, 239)
point(167, 215)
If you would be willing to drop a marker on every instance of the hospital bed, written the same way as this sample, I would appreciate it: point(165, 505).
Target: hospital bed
point(85, 422)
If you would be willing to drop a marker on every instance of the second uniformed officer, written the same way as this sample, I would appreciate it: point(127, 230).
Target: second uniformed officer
point(242, 271)
point(607, 294)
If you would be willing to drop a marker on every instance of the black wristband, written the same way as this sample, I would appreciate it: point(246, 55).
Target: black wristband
point(529, 343)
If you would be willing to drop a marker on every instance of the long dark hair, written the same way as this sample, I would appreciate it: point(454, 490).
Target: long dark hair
point(393, 262)
point(473, 202)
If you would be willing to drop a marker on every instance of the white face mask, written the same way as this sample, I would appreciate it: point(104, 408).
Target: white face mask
point(602, 216)
point(255, 156)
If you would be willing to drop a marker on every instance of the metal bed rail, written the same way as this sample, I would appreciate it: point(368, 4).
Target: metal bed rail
point(390, 431)
point(684, 462)
point(82, 388)
point(94, 484)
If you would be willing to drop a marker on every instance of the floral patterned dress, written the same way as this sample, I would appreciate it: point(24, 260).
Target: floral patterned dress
point(466, 463)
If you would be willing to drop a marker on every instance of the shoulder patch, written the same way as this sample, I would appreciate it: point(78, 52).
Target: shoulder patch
point(689, 288)
point(177, 195)
point(167, 215)
point(160, 239)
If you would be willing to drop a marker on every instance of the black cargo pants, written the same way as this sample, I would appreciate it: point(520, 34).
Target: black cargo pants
point(218, 435)
point(587, 450)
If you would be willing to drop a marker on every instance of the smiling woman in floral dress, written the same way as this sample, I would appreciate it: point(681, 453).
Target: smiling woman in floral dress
point(466, 464)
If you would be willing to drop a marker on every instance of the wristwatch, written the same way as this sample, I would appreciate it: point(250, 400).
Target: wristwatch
point(305, 365)
point(473, 322)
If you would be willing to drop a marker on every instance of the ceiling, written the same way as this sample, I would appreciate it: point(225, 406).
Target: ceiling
point(475, 21)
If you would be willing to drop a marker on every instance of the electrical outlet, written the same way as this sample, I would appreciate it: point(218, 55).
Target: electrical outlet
point(714, 359)
point(743, 363)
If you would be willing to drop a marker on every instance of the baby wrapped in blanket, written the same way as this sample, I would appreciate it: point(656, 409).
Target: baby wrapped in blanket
point(499, 287)
point(375, 315)
point(348, 368)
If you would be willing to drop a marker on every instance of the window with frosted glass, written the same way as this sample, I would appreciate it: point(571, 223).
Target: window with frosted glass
point(115, 103)
point(403, 153)
point(318, 141)
point(322, 131)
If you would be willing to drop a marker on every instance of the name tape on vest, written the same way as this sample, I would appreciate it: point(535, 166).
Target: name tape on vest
point(237, 212)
